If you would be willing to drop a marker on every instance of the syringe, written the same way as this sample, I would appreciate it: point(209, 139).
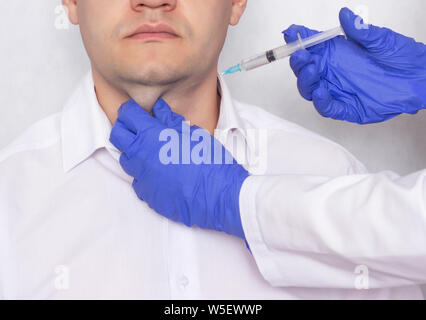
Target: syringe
point(284, 51)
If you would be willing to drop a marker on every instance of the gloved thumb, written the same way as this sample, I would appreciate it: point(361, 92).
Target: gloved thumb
point(367, 35)
point(290, 34)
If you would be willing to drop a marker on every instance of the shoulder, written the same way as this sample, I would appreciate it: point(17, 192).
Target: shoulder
point(296, 149)
point(27, 163)
point(39, 135)
point(26, 159)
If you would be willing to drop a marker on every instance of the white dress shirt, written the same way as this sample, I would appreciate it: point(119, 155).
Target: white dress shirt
point(71, 226)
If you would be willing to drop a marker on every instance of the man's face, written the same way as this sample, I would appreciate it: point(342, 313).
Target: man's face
point(200, 29)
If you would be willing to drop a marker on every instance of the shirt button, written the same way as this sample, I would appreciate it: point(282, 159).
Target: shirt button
point(183, 282)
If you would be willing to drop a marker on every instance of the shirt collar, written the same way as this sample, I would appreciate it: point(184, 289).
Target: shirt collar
point(229, 119)
point(85, 127)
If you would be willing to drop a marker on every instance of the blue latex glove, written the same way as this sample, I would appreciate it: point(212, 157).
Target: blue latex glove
point(204, 195)
point(375, 76)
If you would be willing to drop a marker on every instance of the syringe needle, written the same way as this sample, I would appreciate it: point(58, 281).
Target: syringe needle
point(233, 69)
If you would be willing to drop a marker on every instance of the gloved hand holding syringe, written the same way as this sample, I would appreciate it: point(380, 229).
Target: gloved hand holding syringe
point(371, 75)
point(284, 51)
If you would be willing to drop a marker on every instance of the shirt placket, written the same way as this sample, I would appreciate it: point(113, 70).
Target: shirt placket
point(182, 262)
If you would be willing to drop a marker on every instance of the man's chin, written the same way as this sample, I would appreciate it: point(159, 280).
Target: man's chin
point(153, 76)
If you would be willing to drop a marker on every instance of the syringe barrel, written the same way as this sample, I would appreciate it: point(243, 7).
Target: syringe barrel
point(289, 49)
point(254, 62)
point(269, 56)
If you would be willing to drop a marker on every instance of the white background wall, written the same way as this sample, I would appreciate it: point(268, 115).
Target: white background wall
point(40, 65)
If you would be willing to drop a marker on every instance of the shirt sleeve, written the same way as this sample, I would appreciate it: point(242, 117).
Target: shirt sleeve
point(2, 256)
point(314, 231)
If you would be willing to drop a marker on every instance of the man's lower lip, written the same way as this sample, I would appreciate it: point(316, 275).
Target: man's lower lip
point(153, 35)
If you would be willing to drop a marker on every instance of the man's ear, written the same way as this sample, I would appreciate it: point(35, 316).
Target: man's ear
point(238, 8)
point(71, 6)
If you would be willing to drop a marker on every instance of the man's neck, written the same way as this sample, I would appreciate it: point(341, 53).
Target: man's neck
point(199, 103)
